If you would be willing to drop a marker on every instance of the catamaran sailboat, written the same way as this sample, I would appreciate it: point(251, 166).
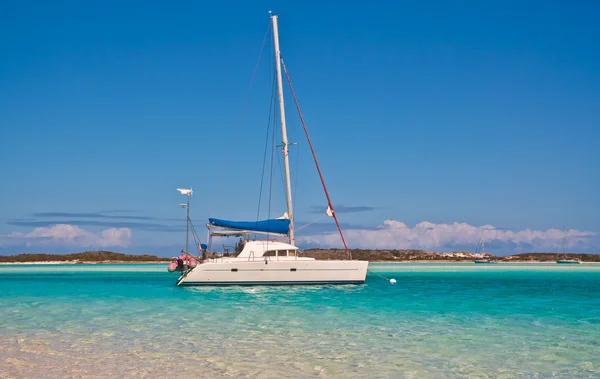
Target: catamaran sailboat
point(566, 260)
point(481, 250)
point(267, 261)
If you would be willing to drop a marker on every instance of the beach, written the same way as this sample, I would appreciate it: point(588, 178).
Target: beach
point(438, 321)
point(80, 262)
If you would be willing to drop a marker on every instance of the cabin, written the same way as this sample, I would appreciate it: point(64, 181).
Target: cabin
point(259, 249)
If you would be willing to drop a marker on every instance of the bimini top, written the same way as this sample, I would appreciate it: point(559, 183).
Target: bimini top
point(275, 226)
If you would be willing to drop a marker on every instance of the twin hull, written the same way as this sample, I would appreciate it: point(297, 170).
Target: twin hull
point(261, 272)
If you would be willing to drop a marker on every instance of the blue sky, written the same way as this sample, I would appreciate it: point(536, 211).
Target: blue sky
point(473, 113)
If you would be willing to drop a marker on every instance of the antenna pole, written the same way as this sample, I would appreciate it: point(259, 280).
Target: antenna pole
point(187, 225)
point(284, 139)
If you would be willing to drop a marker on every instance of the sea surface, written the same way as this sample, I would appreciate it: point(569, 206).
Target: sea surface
point(437, 321)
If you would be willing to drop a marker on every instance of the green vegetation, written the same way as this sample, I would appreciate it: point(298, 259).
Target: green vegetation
point(387, 255)
point(382, 255)
point(422, 255)
point(550, 257)
point(88, 256)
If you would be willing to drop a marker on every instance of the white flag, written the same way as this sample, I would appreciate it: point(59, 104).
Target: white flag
point(329, 211)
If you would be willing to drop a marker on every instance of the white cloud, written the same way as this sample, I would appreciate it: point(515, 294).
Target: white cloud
point(426, 235)
point(69, 235)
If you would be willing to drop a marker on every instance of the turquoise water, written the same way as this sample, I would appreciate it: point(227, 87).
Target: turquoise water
point(438, 321)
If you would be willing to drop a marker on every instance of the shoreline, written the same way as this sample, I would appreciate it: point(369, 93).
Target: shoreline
point(81, 262)
point(167, 262)
point(470, 261)
point(451, 262)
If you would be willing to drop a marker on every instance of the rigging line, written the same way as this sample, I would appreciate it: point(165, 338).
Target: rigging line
point(271, 169)
point(315, 158)
point(237, 126)
point(296, 175)
point(281, 172)
point(279, 168)
point(274, 172)
point(381, 276)
point(195, 236)
point(195, 233)
point(262, 175)
point(478, 247)
point(310, 223)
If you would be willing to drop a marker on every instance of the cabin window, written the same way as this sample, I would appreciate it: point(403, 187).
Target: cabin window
point(234, 269)
point(280, 253)
point(292, 269)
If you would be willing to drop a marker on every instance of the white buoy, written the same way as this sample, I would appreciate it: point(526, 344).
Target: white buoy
point(392, 281)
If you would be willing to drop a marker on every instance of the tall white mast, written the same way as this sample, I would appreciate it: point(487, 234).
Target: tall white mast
point(284, 139)
point(565, 242)
point(482, 244)
point(187, 226)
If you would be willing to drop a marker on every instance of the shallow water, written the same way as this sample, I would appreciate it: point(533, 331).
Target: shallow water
point(438, 321)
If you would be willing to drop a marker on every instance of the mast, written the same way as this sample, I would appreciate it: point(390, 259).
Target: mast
point(284, 139)
point(565, 242)
point(482, 244)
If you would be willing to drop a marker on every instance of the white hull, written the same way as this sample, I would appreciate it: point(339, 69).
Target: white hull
point(286, 271)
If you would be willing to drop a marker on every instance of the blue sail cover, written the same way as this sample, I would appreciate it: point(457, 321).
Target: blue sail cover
point(278, 225)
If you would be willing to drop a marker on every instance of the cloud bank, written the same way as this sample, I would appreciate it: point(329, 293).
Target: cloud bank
point(104, 219)
point(69, 235)
point(102, 224)
point(426, 235)
point(391, 234)
point(90, 215)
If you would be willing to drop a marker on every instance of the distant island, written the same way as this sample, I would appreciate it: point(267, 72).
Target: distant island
point(380, 255)
point(413, 255)
point(85, 257)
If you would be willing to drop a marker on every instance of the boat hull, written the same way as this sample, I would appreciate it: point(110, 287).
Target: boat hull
point(287, 272)
point(568, 262)
point(486, 262)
